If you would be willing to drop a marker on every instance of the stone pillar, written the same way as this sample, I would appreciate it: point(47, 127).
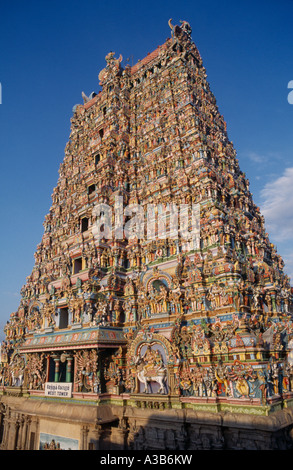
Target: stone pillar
point(103, 437)
point(68, 369)
point(6, 427)
point(171, 376)
point(24, 434)
point(57, 364)
point(27, 433)
point(48, 367)
point(98, 433)
point(13, 434)
point(84, 438)
point(21, 432)
point(2, 415)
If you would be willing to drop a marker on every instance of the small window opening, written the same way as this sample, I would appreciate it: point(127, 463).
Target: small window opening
point(77, 267)
point(84, 224)
point(91, 189)
point(63, 320)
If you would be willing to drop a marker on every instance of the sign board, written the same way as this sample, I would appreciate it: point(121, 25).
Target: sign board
point(58, 389)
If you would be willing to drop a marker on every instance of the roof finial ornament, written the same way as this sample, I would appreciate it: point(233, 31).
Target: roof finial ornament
point(177, 30)
point(112, 68)
point(185, 26)
point(86, 98)
point(171, 27)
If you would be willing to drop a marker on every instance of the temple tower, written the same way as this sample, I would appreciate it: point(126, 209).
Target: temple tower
point(155, 284)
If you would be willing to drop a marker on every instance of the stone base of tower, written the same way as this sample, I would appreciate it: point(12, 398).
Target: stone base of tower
point(140, 422)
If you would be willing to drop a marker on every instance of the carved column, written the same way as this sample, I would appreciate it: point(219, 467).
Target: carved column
point(69, 369)
point(171, 376)
point(27, 433)
point(21, 432)
point(48, 368)
point(84, 438)
point(5, 429)
point(24, 433)
point(98, 434)
point(119, 435)
point(57, 367)
point(103, 437)
point(12, 434)
point(2, 415)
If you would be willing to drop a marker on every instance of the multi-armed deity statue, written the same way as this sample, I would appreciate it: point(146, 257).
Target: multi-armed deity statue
point(155, 275)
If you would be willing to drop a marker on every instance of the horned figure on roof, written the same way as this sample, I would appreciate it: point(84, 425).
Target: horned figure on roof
point(112, 68)
point(110, 59)
point(185, 26)
point(86, 98)
point(175, 30)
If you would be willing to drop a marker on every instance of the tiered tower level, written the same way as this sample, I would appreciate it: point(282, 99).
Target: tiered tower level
point(194, 317)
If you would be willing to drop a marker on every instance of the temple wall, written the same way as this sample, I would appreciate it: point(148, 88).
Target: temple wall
point(29, 424)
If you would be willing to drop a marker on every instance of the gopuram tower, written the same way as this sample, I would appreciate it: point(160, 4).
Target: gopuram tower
point(157, 315)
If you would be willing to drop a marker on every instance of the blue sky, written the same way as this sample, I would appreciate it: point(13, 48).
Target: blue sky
point(51, 51)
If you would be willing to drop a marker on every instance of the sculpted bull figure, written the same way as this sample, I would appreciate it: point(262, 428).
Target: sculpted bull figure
point(150, 368)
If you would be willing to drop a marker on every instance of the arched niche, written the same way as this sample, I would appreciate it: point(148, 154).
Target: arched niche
point(150, 353)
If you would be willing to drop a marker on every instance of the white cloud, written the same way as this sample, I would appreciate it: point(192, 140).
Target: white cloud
point(277, 206)
point(256, 157)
